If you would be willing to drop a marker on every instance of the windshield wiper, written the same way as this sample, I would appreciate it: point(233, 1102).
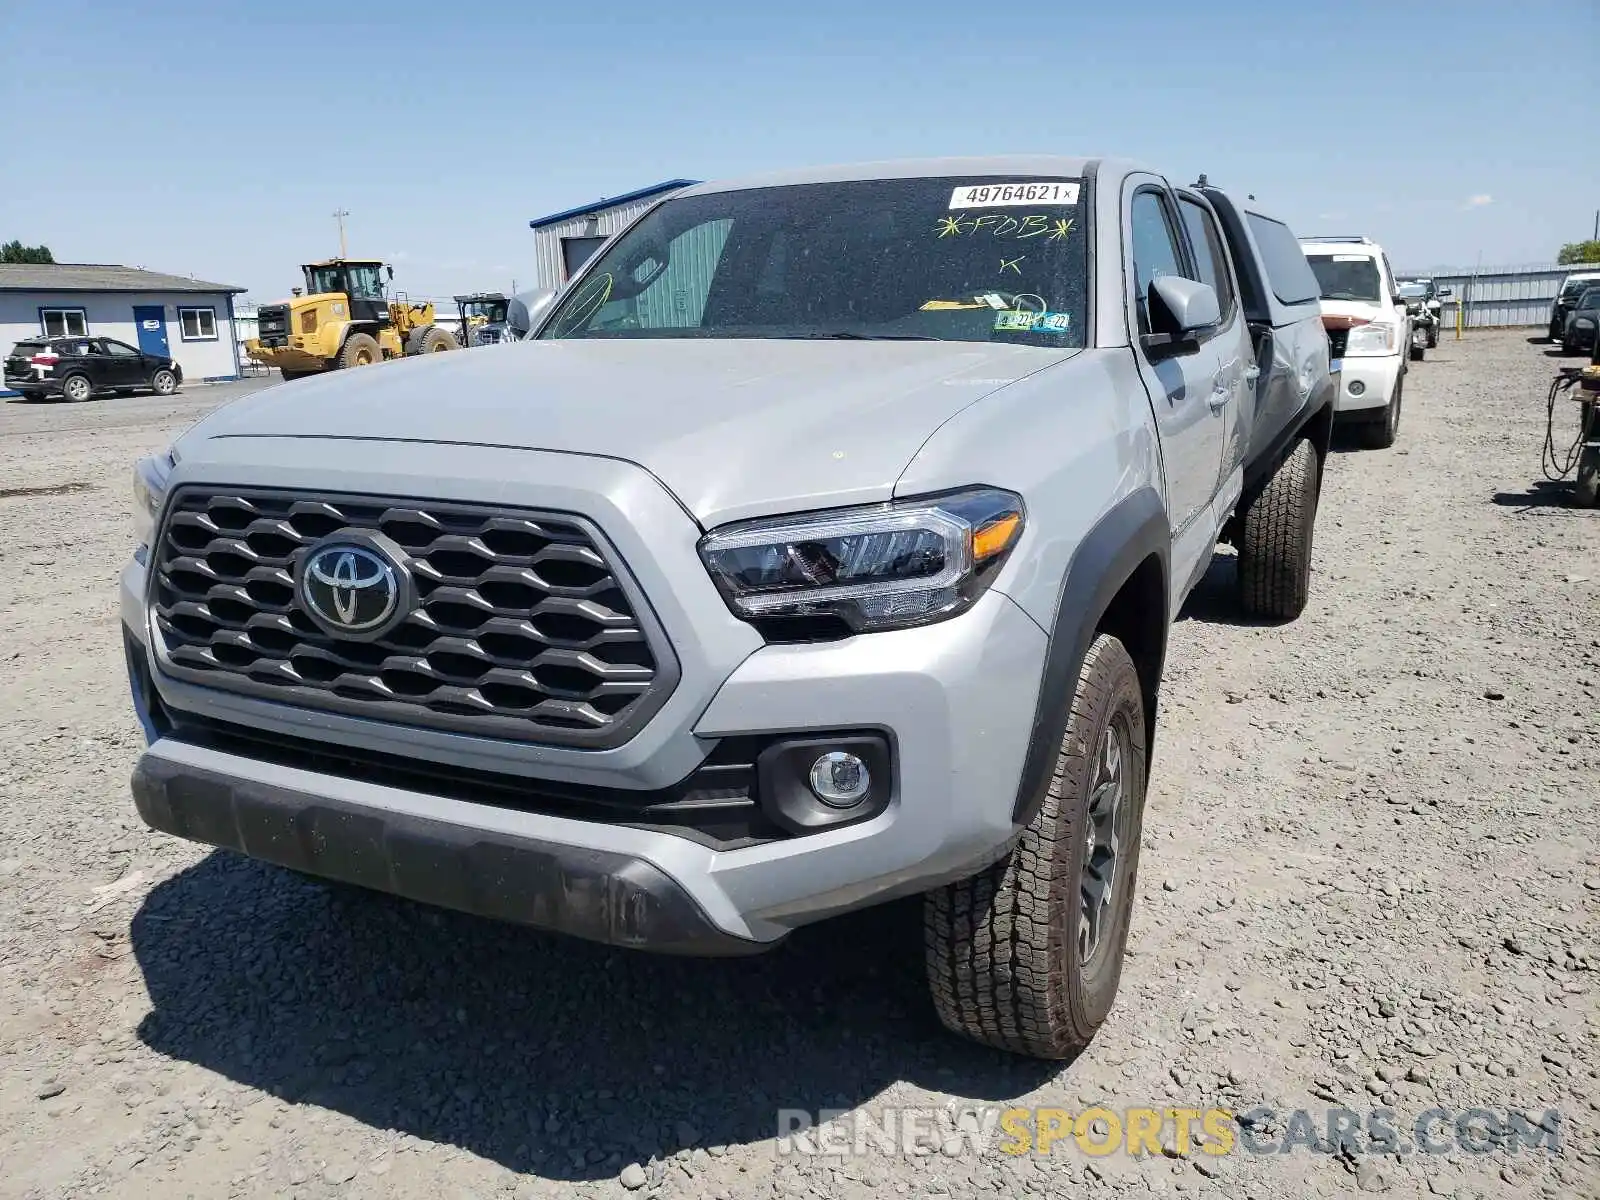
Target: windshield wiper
point(847, 336)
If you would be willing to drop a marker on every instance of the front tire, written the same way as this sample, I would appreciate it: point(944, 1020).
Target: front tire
point(360, 350)
point(75, 389)
point(1274, 576)
point(1026, 955)
point(1380, 435)
point(430, 340)
point(163, 382)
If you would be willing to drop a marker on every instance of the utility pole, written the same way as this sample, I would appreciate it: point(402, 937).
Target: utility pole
point(339, 214)
point(1597, 224)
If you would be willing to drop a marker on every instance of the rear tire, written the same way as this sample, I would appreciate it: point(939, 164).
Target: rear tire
point(75, 389)
point(360, 350)
point(1380, 434)
point(1274, 577)
point(290, 376)
point(1014, 958)
point(1433, 338)
point(163, 382)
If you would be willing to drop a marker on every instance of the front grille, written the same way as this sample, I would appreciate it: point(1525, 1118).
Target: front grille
point(272, 324)
point(523, 627)
point(1336, 343)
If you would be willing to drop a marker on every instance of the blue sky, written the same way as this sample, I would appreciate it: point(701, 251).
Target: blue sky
point(224, 136)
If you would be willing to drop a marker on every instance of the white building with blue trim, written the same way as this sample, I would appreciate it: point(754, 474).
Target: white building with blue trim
point(188, 319)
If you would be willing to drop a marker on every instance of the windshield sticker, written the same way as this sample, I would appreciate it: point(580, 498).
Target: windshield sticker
point(1021, 321)
point(1013, 195)
point(1004, 225)
point(954, 305)
point(1351, 258)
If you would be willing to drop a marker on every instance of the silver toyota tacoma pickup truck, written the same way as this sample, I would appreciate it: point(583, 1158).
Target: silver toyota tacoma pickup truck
point(817, 547)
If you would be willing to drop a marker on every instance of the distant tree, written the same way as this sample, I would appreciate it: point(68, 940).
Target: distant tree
point(15, 252)
point(1577, 252)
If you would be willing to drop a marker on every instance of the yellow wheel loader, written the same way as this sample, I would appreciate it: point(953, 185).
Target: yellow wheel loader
point(344, 319)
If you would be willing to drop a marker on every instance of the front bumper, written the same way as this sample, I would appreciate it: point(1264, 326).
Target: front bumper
point(1375, 380)
point(503, 873)
point(955, 700)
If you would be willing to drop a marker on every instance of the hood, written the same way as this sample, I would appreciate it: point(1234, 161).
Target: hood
point(733, 427)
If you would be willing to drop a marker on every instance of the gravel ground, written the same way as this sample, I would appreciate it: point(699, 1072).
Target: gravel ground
point(1370, 879)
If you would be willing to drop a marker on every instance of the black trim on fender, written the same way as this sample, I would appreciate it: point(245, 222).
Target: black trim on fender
point(1106, 559)
point(595, 894)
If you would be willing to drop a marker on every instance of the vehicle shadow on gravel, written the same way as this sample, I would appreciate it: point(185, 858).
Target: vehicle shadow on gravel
point(549, 1055)
point(1540, 494)
point(1215, 599)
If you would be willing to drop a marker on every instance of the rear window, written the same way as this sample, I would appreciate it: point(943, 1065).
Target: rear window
point(26, 349)
point(1287, 270)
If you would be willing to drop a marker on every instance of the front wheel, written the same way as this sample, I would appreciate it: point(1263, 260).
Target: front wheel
point(360, 350)
point(1433, 337)
point(163, 382)
point(1380, 434)
point(1026, 955)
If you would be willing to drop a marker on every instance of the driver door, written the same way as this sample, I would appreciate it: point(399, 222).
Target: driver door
point(120, 364)
point(1180, 387)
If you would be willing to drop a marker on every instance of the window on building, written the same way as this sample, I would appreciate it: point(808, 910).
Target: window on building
point(198, 324)
point(63, 322)
point(575, 251)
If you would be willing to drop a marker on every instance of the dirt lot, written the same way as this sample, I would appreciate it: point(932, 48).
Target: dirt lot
point(1371, 881)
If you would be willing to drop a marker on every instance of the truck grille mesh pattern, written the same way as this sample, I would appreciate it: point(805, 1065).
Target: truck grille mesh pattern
point(521, 629)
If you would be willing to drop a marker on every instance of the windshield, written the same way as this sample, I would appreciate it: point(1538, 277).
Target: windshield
point(493, 311)
point(358, 281)
point(947, 259)
point(1588, 298)
point(1347, 276)
point(1572, 291)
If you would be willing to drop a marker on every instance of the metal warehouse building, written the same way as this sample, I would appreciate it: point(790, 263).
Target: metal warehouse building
point(188, 319)
point(563, 241)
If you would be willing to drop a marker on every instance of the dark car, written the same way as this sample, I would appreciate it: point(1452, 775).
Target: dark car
point(79, 367)
point(1578, 334)
point(1571, 288)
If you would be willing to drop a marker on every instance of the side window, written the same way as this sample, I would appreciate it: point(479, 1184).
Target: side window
point(1209, 255)
point(1155, 248)
point(119, 349)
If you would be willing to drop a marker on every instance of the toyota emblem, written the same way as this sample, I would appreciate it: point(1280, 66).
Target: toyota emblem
point(350, 589)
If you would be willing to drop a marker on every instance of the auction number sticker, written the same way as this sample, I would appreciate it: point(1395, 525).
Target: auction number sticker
point(1013, 195)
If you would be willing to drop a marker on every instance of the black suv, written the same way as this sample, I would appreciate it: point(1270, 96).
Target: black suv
point(79, 367)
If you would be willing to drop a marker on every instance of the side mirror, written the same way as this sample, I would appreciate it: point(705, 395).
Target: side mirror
point(1180, 310)
point(524, 310)
point(391, 273)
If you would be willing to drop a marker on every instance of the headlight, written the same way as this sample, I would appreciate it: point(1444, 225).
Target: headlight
point(885, 567)
point(149, 490)
point(1373, 339)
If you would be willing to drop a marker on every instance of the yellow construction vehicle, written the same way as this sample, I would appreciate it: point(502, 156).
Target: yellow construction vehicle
point(344, 319)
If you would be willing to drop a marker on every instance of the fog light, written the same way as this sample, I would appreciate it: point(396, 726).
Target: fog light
point(840, 779)
point(1357, 388)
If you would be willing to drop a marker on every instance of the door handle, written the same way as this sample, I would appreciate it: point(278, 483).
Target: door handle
point(1221, 393)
